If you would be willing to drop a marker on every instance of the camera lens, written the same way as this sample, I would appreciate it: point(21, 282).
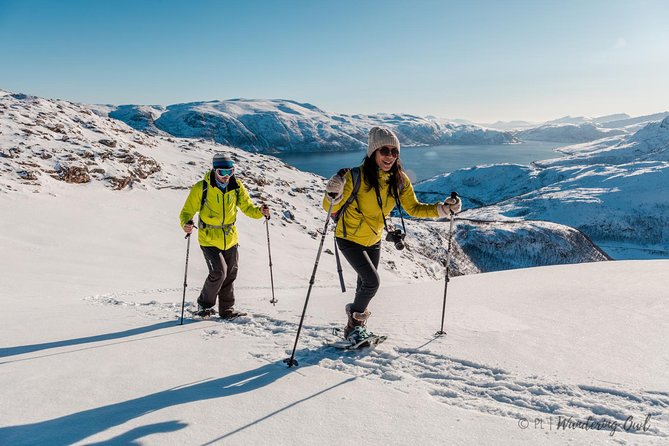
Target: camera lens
point(399, 246)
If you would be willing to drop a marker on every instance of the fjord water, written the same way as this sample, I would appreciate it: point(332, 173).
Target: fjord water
point(425, 162)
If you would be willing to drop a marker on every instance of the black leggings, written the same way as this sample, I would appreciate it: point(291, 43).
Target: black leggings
point(365, 261)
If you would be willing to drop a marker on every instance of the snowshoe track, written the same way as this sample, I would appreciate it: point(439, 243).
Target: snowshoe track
point(448, 380)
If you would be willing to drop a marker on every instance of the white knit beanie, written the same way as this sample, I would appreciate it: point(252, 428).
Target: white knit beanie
point(379, 137)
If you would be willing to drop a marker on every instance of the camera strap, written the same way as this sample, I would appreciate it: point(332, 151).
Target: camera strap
point(399, 207)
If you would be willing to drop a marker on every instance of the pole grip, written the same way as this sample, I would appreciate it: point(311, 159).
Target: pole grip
point(189, 222)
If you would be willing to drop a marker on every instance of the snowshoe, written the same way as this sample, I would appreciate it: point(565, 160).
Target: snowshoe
point(358, 338)
point(202, 312)
point(231, 313)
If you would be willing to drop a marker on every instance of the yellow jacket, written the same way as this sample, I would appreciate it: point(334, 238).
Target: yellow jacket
point(220, 210)
point(364, 218)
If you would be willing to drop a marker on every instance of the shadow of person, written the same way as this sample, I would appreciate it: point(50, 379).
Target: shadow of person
point(128, 438)
point(22, 349)
point(78, 426)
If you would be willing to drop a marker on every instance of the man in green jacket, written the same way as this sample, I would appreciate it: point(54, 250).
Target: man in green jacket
point(216, 199)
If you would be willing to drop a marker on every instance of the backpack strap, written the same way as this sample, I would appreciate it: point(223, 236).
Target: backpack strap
point(203, 200)
point(355, 176)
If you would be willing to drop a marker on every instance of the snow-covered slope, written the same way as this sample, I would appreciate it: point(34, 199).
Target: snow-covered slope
point(45, 143)
point(616, 191)
point(92, 352)
point(284, 125)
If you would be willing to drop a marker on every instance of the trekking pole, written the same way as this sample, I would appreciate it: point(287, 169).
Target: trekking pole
point(183, 300)
point(291, 361)
point(271, 275)
point(454, 195)
point(339, 268)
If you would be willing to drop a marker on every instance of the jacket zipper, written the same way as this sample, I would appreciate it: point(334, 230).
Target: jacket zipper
point(225, 237)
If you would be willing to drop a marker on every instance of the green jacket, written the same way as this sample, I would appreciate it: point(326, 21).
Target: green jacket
point(220, 209)
point(364, 218)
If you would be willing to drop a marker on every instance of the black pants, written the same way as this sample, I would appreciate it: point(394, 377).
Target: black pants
point(220, 281)
point(365, 261)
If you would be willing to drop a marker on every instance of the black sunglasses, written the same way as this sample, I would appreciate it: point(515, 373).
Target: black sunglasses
point(387, 151)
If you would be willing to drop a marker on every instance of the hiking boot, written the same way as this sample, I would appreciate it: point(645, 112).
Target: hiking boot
point(355, 319)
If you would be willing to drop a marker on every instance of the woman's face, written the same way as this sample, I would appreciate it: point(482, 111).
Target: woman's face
point(385, 157)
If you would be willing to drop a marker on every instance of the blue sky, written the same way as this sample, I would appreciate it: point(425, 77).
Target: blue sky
point(479, 60)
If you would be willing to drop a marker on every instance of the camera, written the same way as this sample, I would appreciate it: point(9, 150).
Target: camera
point(397, 237)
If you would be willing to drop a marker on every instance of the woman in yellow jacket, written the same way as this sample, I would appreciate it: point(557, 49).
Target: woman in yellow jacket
point(216, 199)
point(359, 230)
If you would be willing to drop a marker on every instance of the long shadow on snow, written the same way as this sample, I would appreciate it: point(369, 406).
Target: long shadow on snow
point(75, 427)
point(19, 350)
point(78, 426)
point(130, 438)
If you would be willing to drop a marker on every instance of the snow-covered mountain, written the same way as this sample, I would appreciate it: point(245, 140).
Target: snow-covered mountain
point(575, 120)
point(139, 117)
point(568, 133)
point(616, 191)
point(581, 129)
point(282, 125)
point(634, 123)
point(510, 126)
point(610, 118)
point(45, 143)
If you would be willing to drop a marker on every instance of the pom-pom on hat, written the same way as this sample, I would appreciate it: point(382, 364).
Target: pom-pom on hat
point(379, 137)
point(222, 161)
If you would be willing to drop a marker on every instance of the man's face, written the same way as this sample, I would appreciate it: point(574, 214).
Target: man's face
point(223, 175)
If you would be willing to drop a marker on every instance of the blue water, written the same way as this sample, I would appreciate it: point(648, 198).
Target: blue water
point(422, 163)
